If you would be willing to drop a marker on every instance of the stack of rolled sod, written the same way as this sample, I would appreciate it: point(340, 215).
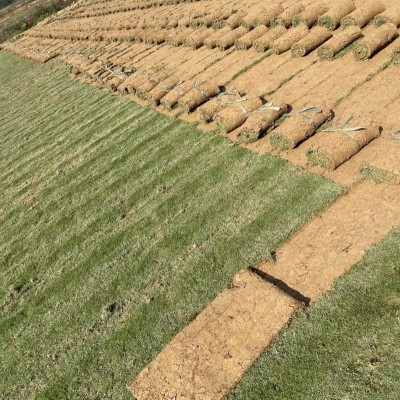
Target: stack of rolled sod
point(155, 95)
point(331, 19)
point(375, 41)
point(287, 16)
point(339, 41)
point(170, 100)
point(200, 93)
point(236, 114)
point(332, 149)
point(364, 14)
point(263, 43)
point(247, 40)
point(260, 121)
point(298, 127)
point(311, 14)
point(286, 41)
point(207, 111)
point(308, 43)
point(390, 16)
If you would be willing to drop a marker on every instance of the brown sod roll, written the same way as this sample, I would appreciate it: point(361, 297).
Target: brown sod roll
point(331, 19)
point(396, 56)
point(211, 41)
point(263, 43)
point(260, 121)
point(292, 36)
point(298, 127)
point(228, 40)
point(132, 83)
point(364, 14)
point(310, 15)
point(196, 39)
point(235, 19)
point(164, 87)
point(248, 20)
point(288, 15)
point(375, 41)
point(170, 100)
point(316, 37)
point(207, 111)
point(391, 15)
point(157, 37)
point(236, 114)
point(198, 95)
point(247, 40)
point(335, 148)
point(268, 14)
point(151, 83)
point(339, 41)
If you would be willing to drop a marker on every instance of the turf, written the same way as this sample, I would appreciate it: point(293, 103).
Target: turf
point(118, 226)
point(346, 346)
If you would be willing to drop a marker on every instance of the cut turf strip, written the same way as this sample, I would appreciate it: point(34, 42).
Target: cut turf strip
point(208, 358)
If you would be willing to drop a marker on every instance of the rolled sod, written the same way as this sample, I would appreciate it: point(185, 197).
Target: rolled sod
point(235, 19)
point(308, 43)
point(287, 16)
point(339, 41)
point(364, 14)
point(155, 95)
point(247, 40)
point(292, 36)
point(298, 127)
point(207, 111)
point(211, 41)
point(396, 56)
point(260, 121)
point(196, 39)
point(236, 114)
point(375, 41)
point(391, 15)
point(198, 95)
point(334, 148)
point(228, 40)
point(268, 14)
point(132, 83)
point(151, 83)
point(170, 100)
point(310, 15)
point(263, 43)
point(331, 19)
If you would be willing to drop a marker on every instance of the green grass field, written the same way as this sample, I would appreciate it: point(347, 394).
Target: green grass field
point(119, 225)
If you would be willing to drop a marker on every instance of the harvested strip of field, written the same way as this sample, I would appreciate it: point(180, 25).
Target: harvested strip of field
point(396, 56)
point(103, 230)
point(209, 356)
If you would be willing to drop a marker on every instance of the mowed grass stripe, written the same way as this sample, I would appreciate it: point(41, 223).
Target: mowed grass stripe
point(148, 217)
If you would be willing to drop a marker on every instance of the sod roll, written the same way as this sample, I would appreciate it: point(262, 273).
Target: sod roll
point(310, 15)
point(151, 83)
point(339, 41)
point(298, 127)
point(248, 20)
point(197, 96)
point(207, 111)
point(260, 121)
point(286, 18)
point(263, 43)
point(211, 41)
point(236, 114)
point(334, 148)
point(331, 19)
point(268, 14)
point(170, 100)
point(292, 36)
point(155, 95)
point(235, 19)
point(396, 56)
point(316, 37)
point(132, 83)
point(247, 40)
point(375, 41)
point(196, 39)
point(364, 14)
point(390, 16)
point(228, 40)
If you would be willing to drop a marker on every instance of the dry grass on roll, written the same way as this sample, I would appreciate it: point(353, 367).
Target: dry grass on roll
point(261, 121)
point(390, 16)
point(292, 36)
point(310, 15)
point(197, 96)
point(247, 40)
point(262, 44)
point(332, 149)
point(339, 41)
point(298, 127)
point(315, 38)
point(170, 100)
point(331, 19)
point(236, 114)
point(155, 95)
point(286, 18)
point(375, 41)
point(364, 14)
point(228, 40)
point(396, 56)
